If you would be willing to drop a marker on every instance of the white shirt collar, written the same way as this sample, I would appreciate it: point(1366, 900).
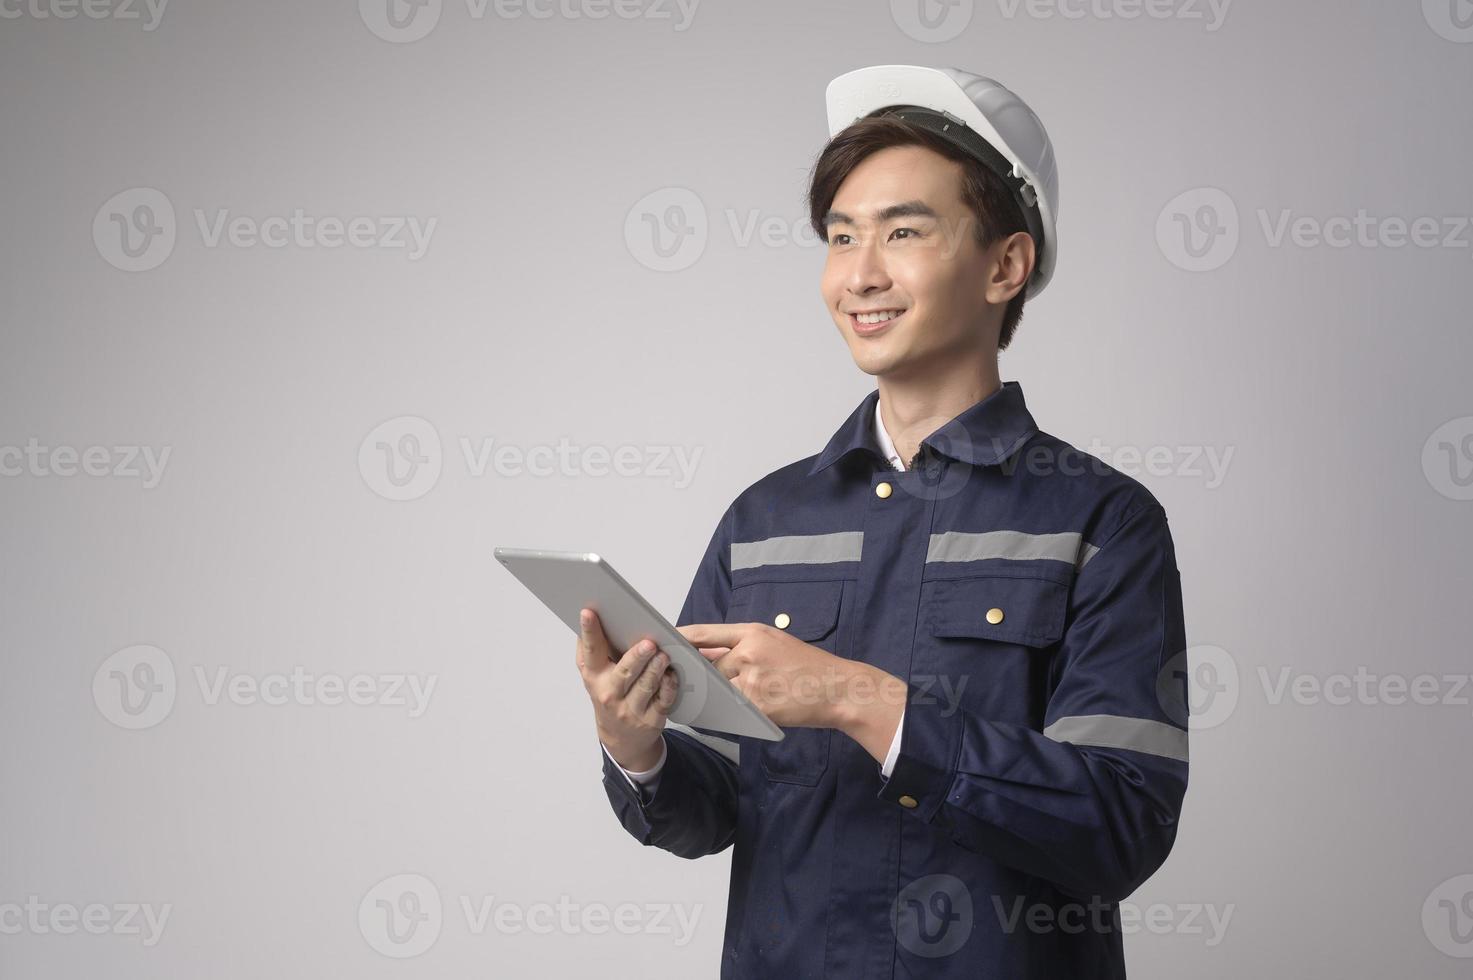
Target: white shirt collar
point(887, 445)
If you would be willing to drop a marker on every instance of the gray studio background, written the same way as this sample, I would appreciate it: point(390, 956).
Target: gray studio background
point(613, 276)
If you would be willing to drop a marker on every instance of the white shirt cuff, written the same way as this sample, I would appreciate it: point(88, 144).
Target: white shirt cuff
point(894, 752)
point(650, 778)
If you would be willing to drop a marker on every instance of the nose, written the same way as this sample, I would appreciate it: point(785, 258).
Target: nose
point(867, 271)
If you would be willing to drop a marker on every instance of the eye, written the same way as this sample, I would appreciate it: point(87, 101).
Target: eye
point(834, 239)
point(912, 232)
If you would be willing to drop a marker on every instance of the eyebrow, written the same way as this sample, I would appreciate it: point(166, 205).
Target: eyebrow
point(907, 209)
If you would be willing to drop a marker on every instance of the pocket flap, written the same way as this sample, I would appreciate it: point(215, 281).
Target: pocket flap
point(808, 610)
point(1030, 611)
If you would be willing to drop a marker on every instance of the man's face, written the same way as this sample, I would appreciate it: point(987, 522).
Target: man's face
point(901, 239)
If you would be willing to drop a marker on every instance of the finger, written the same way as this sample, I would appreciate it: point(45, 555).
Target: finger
point(632, 664)
point(727, 664)
point(647, 684)
point(665, 699)
point(713, 654)
point(593, 646)
point(713, 634)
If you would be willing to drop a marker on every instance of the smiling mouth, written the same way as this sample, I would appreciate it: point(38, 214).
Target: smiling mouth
point(873, 321)
point(876, 316)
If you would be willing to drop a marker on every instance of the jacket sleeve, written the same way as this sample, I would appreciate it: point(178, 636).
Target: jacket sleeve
point(1091, 802)
point(693, 811)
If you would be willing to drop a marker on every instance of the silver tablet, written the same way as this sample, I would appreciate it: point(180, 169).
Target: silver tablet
point(567, 581)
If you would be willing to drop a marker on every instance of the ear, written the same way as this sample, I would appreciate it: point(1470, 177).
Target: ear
point(1013, 260)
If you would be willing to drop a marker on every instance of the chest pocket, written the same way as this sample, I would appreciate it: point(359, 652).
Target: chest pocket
point(1027, 611)
point(984, 643)
point(809, 611)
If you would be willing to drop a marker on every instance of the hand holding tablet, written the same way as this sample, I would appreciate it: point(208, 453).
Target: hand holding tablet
point(632, 694)
point(567, 582)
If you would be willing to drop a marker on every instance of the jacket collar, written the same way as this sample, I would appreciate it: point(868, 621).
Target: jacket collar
point(984, 435)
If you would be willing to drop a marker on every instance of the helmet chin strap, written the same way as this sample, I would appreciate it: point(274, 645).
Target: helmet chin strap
point(959, 134)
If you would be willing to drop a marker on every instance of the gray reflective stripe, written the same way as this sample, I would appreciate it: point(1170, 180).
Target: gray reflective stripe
point(732, 750)
point(979, 545)
point(1118, 732)
point(794, 549)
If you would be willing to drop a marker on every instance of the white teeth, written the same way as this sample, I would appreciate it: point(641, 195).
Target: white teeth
point(880, 317)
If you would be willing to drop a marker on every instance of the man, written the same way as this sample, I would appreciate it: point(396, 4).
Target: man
point(986, 744)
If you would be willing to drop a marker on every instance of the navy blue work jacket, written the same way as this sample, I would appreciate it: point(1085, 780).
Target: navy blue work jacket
point(1029, 596)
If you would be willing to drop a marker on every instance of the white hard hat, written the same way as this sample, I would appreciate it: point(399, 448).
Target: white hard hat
point(964, 107)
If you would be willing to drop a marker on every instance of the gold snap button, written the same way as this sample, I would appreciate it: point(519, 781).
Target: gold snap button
point(909, 802)
point(882, 490)
point(994, 615)
point(781, 620)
